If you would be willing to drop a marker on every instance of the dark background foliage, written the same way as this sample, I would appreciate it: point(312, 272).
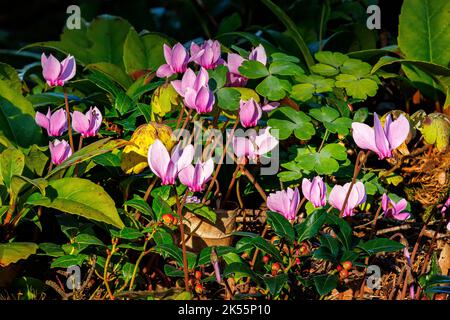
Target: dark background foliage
point(23, 22)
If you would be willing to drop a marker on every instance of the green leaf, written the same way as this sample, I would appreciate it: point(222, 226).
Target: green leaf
point(51, 249)
point(275, 284)
point(81, 197)
point(88, 239)
point(428, 39)
point(204, 257)
point(12, 163)
point(279, 56)
point(334, 59)
point(161, 236)
point(239, 270)
point(356, 68)
point(68, 261)
point(127, 233)
point(285, 68)
point(310, 85)
point(271, 88)
point(18, 182)
point(228, 99)
point(325, 283)
point(17, 126)
point(160, 207)
point(219, 76)
point(323, 162)
point(331, 244)
point(356, 87)
point(202, 210)
point(293, 31)
point(141, 53)
point(324, 114)
point(380, 245)
point(15, 251)
point(253, 69)
point(88, 152)
point(9, 74)
point(267, 247)
point(287, 120)
point(113, 72)
point(311, 226)
point(141, 205)
point(342, 229)
point(324, 70)
point(280, 225)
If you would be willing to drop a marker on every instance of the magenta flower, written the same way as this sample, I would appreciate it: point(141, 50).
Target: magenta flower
point(59, 151)
point(315, 191)
point(195, 91)
point(234, 61)
point(207, 55)
point(254, 146)
point(166, 166)
point(269, 106)
point(356, 197)
point(249, 113)
point(57, 73)
point(394, 210)
point(381, 140)
point(284, 202)
point(87, 124)
point(234, 77)
point(258, 54)
point(55, 124)
point(177, 59)
point(195, 177)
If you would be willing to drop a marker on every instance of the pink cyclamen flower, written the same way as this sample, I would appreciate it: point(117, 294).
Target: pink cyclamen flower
point(394, 210)
point(258, 54)
point(195, 91)
point(55, 124)
point(381, 140)
point(195, 177)
point(87, 124)
point(57, 73)
point(356, 197)
point(167, 166)
point(284, 202)
point(444, 210)
point(234, 61)
point(315, 191)
point(59, 151)
point(254, 146)
point(249, 113)
point(207, 55)
point(177, 59)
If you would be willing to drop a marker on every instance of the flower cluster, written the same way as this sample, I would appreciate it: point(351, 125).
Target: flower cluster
point(287, 202)
point(179, 164)
point(56, 123)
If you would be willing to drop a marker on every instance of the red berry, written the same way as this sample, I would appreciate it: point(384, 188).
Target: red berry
point(343, 274)
point(297, 261)
point(198, 274)
point(199, 288)
point(347, 265)
point(339, 268)
point(276, 267)
point(167, 218)
point(304, 249)
point(266, 259)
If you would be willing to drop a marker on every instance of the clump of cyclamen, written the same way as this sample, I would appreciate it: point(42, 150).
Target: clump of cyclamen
point(57, 74)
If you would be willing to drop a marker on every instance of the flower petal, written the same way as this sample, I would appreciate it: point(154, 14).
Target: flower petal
point(398, 131)
point(158, 158)
point(364, 136)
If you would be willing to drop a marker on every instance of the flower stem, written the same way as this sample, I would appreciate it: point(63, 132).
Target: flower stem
point(360, 160)
point(69, 126)
point(183, 239)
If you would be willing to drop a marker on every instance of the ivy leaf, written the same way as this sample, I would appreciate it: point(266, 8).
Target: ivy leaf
point(271, 88)
point(325, 283)
point(356, 87)
point(280, 225)
point(253, 69)
point(287, 121)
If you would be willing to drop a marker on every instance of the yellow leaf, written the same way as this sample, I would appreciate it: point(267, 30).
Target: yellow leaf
point(134, 156)
point(164, 99)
